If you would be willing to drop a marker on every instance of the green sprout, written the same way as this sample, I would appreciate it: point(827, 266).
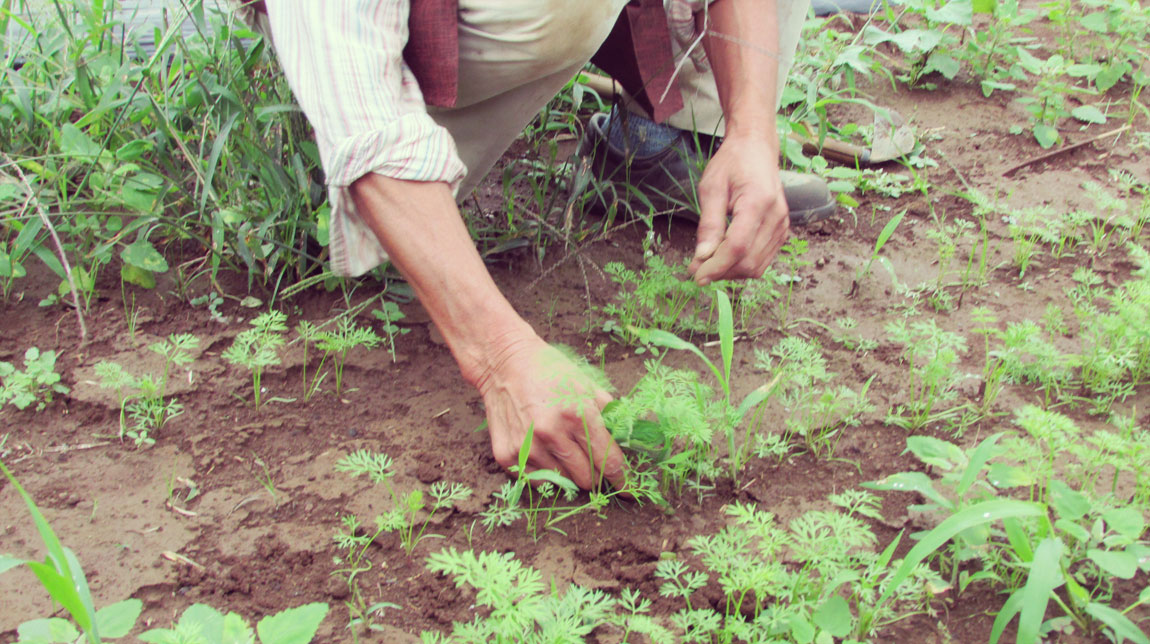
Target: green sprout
point(256, 348)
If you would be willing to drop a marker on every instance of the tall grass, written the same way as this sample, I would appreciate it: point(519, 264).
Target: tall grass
point(191, 149)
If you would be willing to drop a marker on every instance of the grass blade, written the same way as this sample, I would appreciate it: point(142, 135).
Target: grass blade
point(555, 478)
point(975, 515)
point(887, 231)
point(525, 449)
point(8, 563)
point(668, 340)
point(66, 585)
point(726, 338)
point(978, 459)
point(1005, 614)
point(1119, 623)
point(1045, 575)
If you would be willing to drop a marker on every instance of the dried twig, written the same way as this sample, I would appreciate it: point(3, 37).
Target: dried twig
point(1065, 149)
point(56, 240)
point(178, 558)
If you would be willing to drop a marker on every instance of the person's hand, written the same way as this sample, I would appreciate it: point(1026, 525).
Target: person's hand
point(532, 384)
point(742, 179)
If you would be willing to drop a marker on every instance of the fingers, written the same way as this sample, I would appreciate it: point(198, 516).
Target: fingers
point(758, 229)
point(712, 221)
point(586, 453)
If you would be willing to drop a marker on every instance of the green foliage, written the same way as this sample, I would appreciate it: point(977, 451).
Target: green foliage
point(535, 496)
point(256, 348)
point(388, 313)
point(403, 518)
point(405, 512)
point(817, 413)
point(338, 343)
point(60, 573)
point(144, 398)
point(62, 576)
point(198, 143)
point(35, 384)
point(832, 583)
point(883, 237)
point(1067, 549)
point(660, 296)
point(517, 605)
point(205, 625)
point(927, 49)
point(930, 354)
point(672, 416)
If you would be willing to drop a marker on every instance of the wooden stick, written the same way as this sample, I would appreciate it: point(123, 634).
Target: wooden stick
point(1062, 150)
point(59, 247)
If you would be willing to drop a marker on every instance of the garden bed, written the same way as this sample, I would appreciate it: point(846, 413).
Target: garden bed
point(236, 507)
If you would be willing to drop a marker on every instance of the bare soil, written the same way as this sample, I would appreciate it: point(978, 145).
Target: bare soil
point(241, 548)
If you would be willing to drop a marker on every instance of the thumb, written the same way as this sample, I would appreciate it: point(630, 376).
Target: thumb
point(712, 225)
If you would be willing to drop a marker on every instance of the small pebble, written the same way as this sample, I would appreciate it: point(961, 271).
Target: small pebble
point(353, 432)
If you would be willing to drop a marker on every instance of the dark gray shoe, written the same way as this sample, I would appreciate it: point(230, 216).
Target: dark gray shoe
point(667, 179)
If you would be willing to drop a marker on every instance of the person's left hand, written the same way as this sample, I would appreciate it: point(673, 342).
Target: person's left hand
point(741, 179)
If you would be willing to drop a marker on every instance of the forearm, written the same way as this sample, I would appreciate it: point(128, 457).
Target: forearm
point(422, 231)
point(742, 47)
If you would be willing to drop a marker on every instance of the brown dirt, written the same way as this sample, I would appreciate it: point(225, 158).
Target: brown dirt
point(256, 554)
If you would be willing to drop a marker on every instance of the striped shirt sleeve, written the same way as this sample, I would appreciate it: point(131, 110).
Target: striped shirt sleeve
point(344, 61)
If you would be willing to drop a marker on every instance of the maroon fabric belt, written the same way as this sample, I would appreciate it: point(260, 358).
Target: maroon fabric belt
point(637, 53)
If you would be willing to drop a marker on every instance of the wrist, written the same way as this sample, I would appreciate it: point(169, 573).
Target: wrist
point(758, 130)
point(483, 352)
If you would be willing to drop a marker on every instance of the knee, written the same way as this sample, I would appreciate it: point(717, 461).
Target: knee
point(558, 33)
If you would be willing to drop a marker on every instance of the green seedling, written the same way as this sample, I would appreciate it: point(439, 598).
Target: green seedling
point(62, 576)
point(307, 333)
point(1027, 357)
point(791, 256)
point(930, 354)
point(144, 398)
point(1030, 230)
point(35, 384)
point(337, 344)
point(1067, 541)
point(257, 348)
point(829, 587)
point(202, 623)
point(403, 518)
point(388, 313)
point(993, 370)
point(516, 604)
point(405, 512)
point(661, 296)
point(443, 496)
point(150, 411)
point(883, 237)
point(670, 408)
point(535, 496)
point(212, 301)
point(266, 480)
point(817, 412)
point(852, 342)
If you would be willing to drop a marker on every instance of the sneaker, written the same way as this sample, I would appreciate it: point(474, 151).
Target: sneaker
point(667, 179)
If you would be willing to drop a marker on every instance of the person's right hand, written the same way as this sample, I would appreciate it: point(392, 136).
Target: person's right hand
point(532, 384)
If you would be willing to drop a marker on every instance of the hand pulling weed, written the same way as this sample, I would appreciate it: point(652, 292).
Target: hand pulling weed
point(536, 496)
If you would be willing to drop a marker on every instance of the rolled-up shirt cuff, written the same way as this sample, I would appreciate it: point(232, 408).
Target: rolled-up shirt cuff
point(413, 148)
